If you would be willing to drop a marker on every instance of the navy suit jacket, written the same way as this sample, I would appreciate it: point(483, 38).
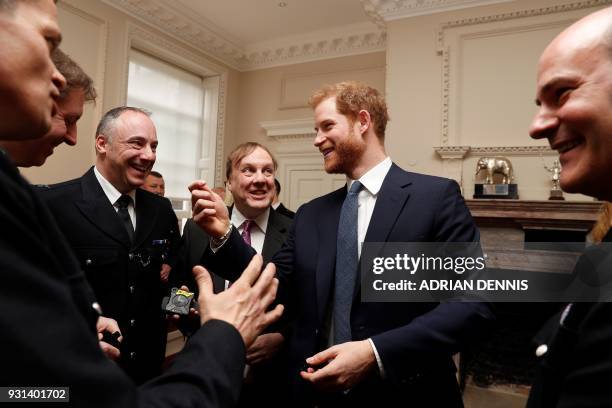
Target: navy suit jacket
point(415, 341)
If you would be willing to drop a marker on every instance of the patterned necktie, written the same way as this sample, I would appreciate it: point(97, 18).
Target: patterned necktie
point(246, 231)
point(122, 204)
point(346, 265)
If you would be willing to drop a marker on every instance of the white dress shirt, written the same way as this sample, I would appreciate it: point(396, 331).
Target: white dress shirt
point(113, 195)
point(258, 236)
point(372, 182)
point(258, 230)
point(366, 200)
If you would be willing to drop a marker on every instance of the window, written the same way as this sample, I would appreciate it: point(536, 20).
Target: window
point(176, 99)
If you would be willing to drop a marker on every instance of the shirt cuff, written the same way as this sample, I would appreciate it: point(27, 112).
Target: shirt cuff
point(381, 369)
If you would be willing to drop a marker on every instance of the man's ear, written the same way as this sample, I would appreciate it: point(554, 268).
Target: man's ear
point(365, 121)
point(101, 144)
point(228, 184)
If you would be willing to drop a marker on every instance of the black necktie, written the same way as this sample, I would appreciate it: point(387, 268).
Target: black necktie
point(122, 204)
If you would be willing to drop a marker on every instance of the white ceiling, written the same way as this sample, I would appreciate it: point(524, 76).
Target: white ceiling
point(253, 21)
point(255, 34)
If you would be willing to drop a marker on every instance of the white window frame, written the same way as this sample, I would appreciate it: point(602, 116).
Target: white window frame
point(215, 89)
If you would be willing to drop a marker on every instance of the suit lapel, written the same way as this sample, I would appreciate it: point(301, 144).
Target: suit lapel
point(99, 211)
point(327, 231)
point(146, 217)
point(275, 236)
point(391, 199)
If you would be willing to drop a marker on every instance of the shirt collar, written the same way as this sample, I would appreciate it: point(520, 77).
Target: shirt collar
point(110, 191)
point(261, 221)
point(372, 180)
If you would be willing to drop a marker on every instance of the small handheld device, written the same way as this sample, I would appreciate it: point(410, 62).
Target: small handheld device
point(111, 338)
point(179, 302)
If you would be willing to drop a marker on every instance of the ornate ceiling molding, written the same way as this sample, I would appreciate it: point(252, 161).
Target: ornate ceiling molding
point(338, 42)
point(210, 39)
point(381, 11)
point(162, 15)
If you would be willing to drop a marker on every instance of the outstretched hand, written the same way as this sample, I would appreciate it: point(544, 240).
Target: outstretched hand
point(244, 305)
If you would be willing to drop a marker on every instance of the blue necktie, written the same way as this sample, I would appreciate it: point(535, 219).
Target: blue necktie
point(347, 258)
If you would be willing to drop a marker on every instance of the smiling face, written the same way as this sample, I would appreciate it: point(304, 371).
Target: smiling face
point(338, 139)
point(30, 82)
point(126, 157)
point(251, 183)
point(574, 92)
point(63, 130)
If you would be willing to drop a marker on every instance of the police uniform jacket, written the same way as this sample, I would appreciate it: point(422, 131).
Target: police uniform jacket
point(125, 276)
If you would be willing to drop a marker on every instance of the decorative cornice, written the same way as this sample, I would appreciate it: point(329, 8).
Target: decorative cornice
point(512, 150)
point(370, 7)
point(452, 152)
point(459, 152)
point(164, 16)
point(291, 129)
point(343, 41)
point(348, 40)
point(515, 15)
point(388, 10)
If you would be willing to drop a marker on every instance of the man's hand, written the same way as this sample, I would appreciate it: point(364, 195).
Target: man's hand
point(109, 325)
point(209, 209)
point(165, 272)
point(348, 365)
point(244, 304)
point(264, 348)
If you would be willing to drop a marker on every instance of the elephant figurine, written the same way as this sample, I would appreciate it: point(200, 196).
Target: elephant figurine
point(492, 165)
